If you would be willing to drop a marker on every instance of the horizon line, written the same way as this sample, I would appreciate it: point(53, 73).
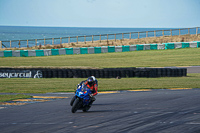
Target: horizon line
point(87, 27)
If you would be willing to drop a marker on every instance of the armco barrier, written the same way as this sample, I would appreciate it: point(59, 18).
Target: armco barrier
point(96, 50)
point(98, 73)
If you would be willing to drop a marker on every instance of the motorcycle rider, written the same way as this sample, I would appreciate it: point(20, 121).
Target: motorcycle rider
point(91, 83)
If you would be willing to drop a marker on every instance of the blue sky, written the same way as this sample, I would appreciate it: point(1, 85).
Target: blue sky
point(101, 13)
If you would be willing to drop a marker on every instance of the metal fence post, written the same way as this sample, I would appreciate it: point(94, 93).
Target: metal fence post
point(60, 40)
point(146, 33)
point(52, 41)
point(0, 44)
point(163, 32)
point(85, 39)
point(100, 38)
point(107, 38)
point(115, 38)
point(19, 44)
point(138, 35)
point(122, 36)
point(154, 33)
point(171, 32)
point(27, 44)
point(130, 36)
point(92, 38)
point(10, 43)
point(35, 42)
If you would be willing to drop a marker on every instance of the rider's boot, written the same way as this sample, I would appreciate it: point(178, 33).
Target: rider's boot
point(92, 100)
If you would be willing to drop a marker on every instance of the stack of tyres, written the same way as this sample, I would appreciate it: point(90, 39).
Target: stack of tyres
point(60, 73)
point(45, 73)
point(83, 73)
point(50, 73)
point(101, 73)
point(69, 73)
point(163, 72)
point(92, 72)
point(105, 73)
point(184, 72)
point(55, 73)
point(158, 72)
point(64, 73)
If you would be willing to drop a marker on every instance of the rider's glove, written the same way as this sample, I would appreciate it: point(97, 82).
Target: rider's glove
point(78, 85)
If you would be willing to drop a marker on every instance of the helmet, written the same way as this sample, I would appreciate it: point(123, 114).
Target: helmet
point(91, 80)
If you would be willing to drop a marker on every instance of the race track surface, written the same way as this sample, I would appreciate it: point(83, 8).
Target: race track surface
point(156, 111)
point(193, 69)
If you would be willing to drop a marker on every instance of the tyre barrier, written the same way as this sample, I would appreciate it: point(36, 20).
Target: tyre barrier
point(98, 73)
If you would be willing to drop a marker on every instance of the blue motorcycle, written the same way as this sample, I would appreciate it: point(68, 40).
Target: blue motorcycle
point(82, 99)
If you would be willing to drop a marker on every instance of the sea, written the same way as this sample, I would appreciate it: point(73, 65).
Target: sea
point(10, 35)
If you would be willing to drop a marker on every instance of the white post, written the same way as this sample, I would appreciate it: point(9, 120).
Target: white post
point(27, 43)
point(69, 40)
point(35, 42)
point(19, 43)
point(60, 40)
point(107, 38)
point(10, 43)
point(130, 36)
point(0, 44)
point(196, 31)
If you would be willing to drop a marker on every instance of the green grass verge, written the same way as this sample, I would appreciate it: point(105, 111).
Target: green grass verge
point(69, 84)
point(4, 98)
point(148, 58)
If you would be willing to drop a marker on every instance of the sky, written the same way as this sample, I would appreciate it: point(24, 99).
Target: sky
point(101, 13)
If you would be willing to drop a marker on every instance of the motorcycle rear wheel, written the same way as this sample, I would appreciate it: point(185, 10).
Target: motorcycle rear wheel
point(75, 106)
point(86, 108)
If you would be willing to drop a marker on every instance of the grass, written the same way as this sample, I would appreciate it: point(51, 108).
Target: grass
point(4, 98)
point(69, 84)
point(148, 58)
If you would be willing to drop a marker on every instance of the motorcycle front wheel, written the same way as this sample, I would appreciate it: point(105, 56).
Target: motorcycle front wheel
point(72, 101)
point(75, 105)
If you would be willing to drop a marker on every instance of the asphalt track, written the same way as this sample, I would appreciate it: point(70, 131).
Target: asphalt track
point(156, 111)
point(193, 69)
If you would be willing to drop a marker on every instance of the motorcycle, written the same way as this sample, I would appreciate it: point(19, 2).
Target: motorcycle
point(81, 100)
